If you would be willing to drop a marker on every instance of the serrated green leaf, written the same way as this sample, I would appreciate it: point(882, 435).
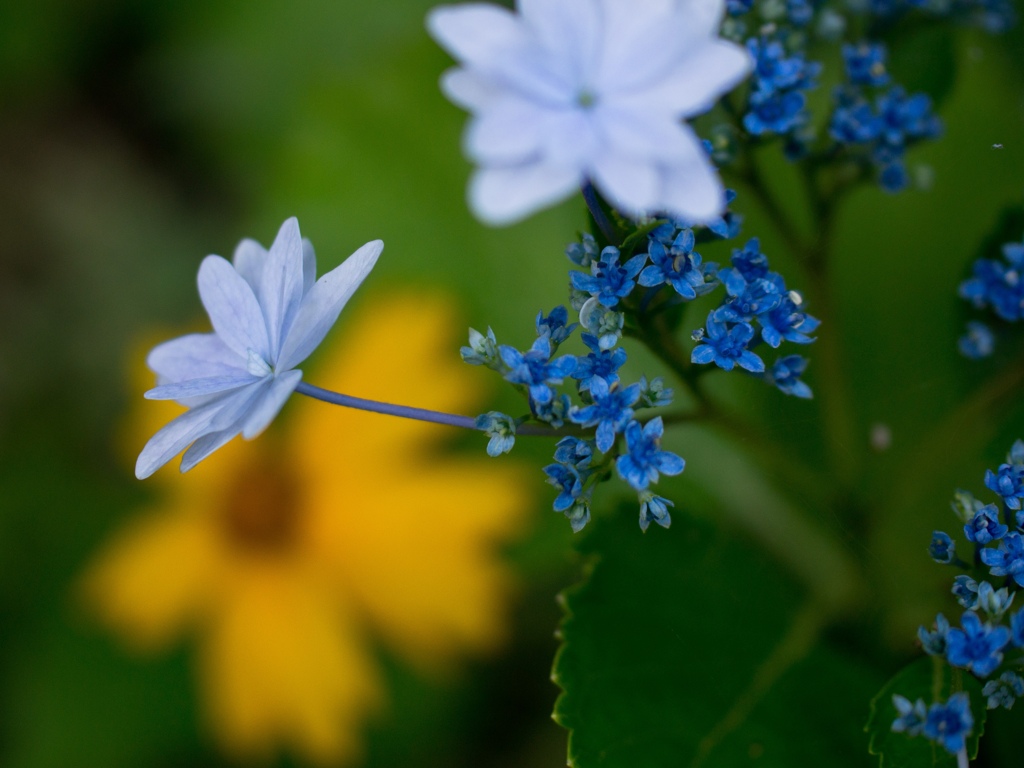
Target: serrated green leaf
point(930, 679)
point(688, 648)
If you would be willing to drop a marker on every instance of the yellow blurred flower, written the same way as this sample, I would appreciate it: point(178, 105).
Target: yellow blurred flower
point(282, 555)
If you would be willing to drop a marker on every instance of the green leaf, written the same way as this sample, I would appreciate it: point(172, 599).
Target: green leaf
point(687, 647)
point(638, 237)
point(925, 59)
point(931, 679)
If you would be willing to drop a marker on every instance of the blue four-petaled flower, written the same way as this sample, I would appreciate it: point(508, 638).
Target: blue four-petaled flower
point(644, 459)
point(949, 724)
point(602, 363)
point(977, 647)
point(611, 411)
point(536, 369)
point(727, 347)
point(1007, 559)
point(942, 548)
point(985, 526)
point(609, 280)
point(676, 264)
point(786, 373)
point(934, 643)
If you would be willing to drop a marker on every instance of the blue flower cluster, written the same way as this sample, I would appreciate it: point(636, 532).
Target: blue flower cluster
point(777, 101)
point(601, 401)
point(756, 296)
point(948, 724)
point(614, 291)
point(999, 286)
point(881, 132)
point(993, 16)
point(987, 627)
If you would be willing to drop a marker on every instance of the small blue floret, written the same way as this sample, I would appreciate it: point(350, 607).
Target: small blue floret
point(949, 724)
point(644, 459)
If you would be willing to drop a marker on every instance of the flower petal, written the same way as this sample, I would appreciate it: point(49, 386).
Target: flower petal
point(508, 194)
point(510, 130)
point(695, 83)
point(270, 403)
point(475, 33)
point(631, 185)
point(308, 265)
point(280, 291)
point(571, 29)
point(233, 309)
point(692, 189)
point(248, 261)
point(209, 385)
point(322, 305)
point(195, 356)
point(193, 424)
point(468, 89)
point(206, 445)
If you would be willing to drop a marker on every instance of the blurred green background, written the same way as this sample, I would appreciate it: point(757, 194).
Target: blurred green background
point(136, 137)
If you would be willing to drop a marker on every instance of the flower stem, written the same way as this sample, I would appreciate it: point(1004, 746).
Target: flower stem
point(605, 224)
point(419, 414)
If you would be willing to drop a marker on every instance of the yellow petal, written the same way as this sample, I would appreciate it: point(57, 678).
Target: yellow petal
point(282, 665)
point(154, 579)
point(417, 546)
point(411, 534)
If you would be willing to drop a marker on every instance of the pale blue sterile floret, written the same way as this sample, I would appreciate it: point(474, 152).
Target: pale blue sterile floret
point(726, 347)
point(269, 312)
point(584, 252)
point(644, 459)
point(654, 394)
point(985, 526)
point(942, 548)
point(977, 647)
point(965, 590)
point(965, 506)
point(1004, 691)
point(1007, 559)
point(994, 602)
point(606, 324)
point(500, 428)
point(911, 716)
point(482, 350)
point(536, 370)
point(611, 411)
point(934, 642)
point(609, 280)
point(950, 724)
point(654, 509)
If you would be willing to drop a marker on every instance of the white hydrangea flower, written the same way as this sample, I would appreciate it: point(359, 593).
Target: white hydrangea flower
point(568, 91)
point(269, 312)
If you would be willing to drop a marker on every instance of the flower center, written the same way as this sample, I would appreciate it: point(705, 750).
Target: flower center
point(260, 509)
point(586, 98)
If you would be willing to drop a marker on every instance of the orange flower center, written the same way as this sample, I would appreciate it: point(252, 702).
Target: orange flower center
point(260, 513)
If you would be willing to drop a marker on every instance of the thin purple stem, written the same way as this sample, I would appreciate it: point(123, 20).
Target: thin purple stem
point(420, 414)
